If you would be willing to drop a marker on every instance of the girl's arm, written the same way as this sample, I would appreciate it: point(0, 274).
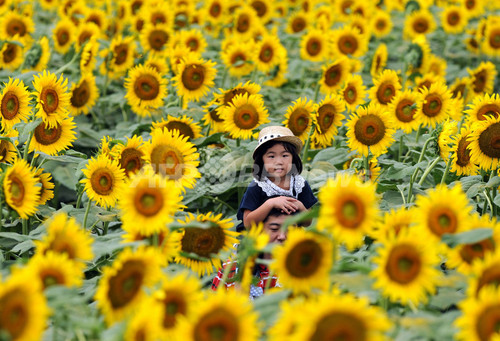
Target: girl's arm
point(286, 204)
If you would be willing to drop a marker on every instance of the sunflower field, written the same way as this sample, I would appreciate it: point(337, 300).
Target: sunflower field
point(126, 140)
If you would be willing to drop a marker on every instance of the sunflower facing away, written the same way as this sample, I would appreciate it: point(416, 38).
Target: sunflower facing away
point(200, 246)
point(53, 140)
point(299, 118)
point(195, 77)
point(14, 103)
point(484, 147)
point(84, 94)
point(183, 124)
point(104, 181)
point(348, 209)
point(122, 285)
point(379, 60)
point(52, 97)
point(328, 118)
point(47, 186)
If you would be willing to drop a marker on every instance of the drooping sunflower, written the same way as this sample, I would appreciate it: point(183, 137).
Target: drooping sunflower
point(484, 149)
point(328, 118)
point(11, 56)
point(270, 51)
point(84, 94)
point(353, 92)
point(14, 103)
point(483, 78)
point(348, 209)
point(129, 155)
point(454, 19)
point(205, 243)
point(52, 98)
point(491, 42)
point(385, 86)
point(379, 60)
point(46, 188)
point(370, 129)
point(435, 105)
point(483, 106)
point(89, 56)
point(8, 152)
point(436, 214)
point(403, 108)
point(63, 35)
point(179, 295)
point(65, 235)
point(314, 46)
point(20, 188)
point(405, 268)
point(122, 285)
point(38, 56)
point(54, 268)
point(335, 316)
point(24, 310)
point(173, 156)
point(52, 140)
point(145, 89)
point(104, 180)
point(243, 115)
point(194, 78)
point(148, 203)
point(381, 23)
point(156, 38)
point(299, 117)
point(183, 124)
point(419, 22)
point(446, 131)
point(215, 315)
point(348, 41)
point(303, 262)
point(239, 58)
point(461, 163)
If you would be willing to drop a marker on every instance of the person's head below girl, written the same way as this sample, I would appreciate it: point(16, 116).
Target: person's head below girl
point(277, 155)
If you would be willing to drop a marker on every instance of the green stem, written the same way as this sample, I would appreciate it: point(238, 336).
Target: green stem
point(367, 167)
point(400, 153)
point(412, 181)
point(306, 146)
point(87, 210)
point(156, 240)
point(64, 67)
point(1, 211)
point(26, 146)
point(446, 171)
point(428, 170)
point(424, 148)
point(79, 199)
point(487, 194)
point(419, 131)
point(316, 92)
point(25, 226)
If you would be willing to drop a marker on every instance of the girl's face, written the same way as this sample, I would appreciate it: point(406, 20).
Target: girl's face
point(277, 161)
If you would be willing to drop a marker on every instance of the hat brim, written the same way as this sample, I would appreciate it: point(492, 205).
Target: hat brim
point(290, 139)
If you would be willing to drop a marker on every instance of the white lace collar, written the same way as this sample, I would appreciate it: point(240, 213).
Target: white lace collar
point(297, 183)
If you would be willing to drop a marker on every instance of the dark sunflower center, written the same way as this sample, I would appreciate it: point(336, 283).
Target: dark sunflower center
point(495, 39)
point(126, 283)
point(47, 136)
point(326, 115)
point(62, 37)
point(193, 44)
point(214, 115)
point(14, 313)
point(17, 190)
point(458, 91)
point(463, 154)
point(350, 94)
point(246, 117)
point(351, 211)
point(341, 326)
point(470, 252)
point(453, 18)
point(442, 220)
point(304, 259)
point(479, 82)
point(488, 322)
point(193, 77)
point(489, 141)
point(421, 25)
point(488, 110)
point(405, 110)
point(298, 25)
point(158, 18)
point(369, 129)
point(228, 96)
point(215, 10)
point(203, 242)
point(386, 92)
point(175, 304)
point(243, 23)
point(80, 95)
point(266, 53)
point(4, 150)
point(148, 201)
point(313, 47)
point(216, 325)
point(403, 264)
point(299, 121)
point(158, 39)
point(50, 100)
point(470, 4)
point(10, 105)
point(102, 181)
point(238, 59)
point(51, 277)
point(10, 53)
point(381, 24)
point(260, 7)
point(168, 161)
point(16, 26)
point(61, 244)
point(147, 87)
point(432, 105)
point(121, 52)
point(183, 128)
point(347, 44)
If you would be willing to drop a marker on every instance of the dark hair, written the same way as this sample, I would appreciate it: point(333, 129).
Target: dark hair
point(258, 163)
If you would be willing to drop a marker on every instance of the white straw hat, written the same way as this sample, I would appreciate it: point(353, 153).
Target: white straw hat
point(277, 133)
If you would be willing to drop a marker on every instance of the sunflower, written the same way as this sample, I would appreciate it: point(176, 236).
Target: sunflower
point(425, 81)
point(454, 19)
point(265, 10)
point(381, 23)
point(216, 319)
point(157, 13)
point(483, 78)
point(435, 105)
point(179, 295)
point(405, 268)
point(14, 103)
point(270, 51)
point(483, 106)
point(239, 58)
point(298, 22)
point(419, 22)
point(244, 22)
point(328, 118)
point(348, 41)
point(343, 9)
point(193, 39)
point(446, 131)
point(183, 124)
point(491, 42)
point(84, 94)
point(348, 209)
point(122, 285)
point(169, 244)
point(214, 11)
point(243, 114)
point(288, 318)
point(119, 57)
point(97, 16)
point(89, 56)
point(8, 152)
point(334, 75)
point(436, 66)
point(20, 188)
point(145, 322)
point(155, 38)
point(23, 308)
point(104, 180)
point(11, 56)
point(484, 149)
point(145, 89)
point(461, 161)
point(336, 316)
point(393, 222)
point(148, 203)
point(299, 118)
point(436, 214)
point(379, 60)
point(14, 24)
point(85, 32)
point(65, 235)
point(353, 92)
point(370, 129)
point(54, 269)
point(385, 86)
point(403, 108)
point(159, 64)
point(129, 155)
point(303, 262)
point(471, 41)
point(212, 117)
point(200, 247)
point(47, 187)
point(314, 46)
point(173, 156)
point(52, 98)
point(226, 96)
point(52, 140)
point(194, 78)
point(484, 273)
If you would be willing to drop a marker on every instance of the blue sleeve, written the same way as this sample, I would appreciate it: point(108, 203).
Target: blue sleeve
point(307, 197)
point(252, 199)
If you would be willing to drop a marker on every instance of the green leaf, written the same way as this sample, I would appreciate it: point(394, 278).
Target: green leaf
point(27, 129)
point(468, 237)
point(493, 182)
point(205, 141)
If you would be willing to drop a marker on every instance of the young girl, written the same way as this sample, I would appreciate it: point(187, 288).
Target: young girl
point(277, 184)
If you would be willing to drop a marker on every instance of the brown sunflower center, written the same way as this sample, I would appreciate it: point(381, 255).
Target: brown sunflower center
point(350, 211)
point(102, 181)
point(16, 26)
point(121, 52)
point(463, 153)
point(158, 39)
point(193, 44)
point(147, 87)
point(243, 23)
point(470, 252)
point(340, 325)
point(346, 5)
point(10, 105)
point(214, 115)
point(488, 110)
point(314, 47)
point(50, 100)
point(432, 105)
point(347, 44)
point(174, 303)
point(183, 128)
point(131, 160)
point(403, 264)
point(489, 276)
point(350, 94)
point(489, 141)
point(421, 25)
point(488, 322)
point(126, 283)
point(10, 53)
point(458, 91)
point(479, 82)
point(453, 18)
point(386, 92)
point(203, 241)
point(333, 75)
point(80, 95)
point(495, 38)
point(246, 117)
point(369, 129)
point(47, 136)
point(14, 313)
point(168, 161)
point(238, 59)
point(215, 10)
point(326, 116)
point(62, 244)
point(228, 96)
point(62, 36)
point(299, 121)
point(217, 324)
point(51, 277)
point(4, 150)
point(17, 190)
point(148, 201)
point(193, 76)
point(260, 7)
point(470, 4)
point(442, 220)
point(405, 110)
point(380, 24)
point(298, 25)
point(304, 259)
point(158, 18)
point(266, 53)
